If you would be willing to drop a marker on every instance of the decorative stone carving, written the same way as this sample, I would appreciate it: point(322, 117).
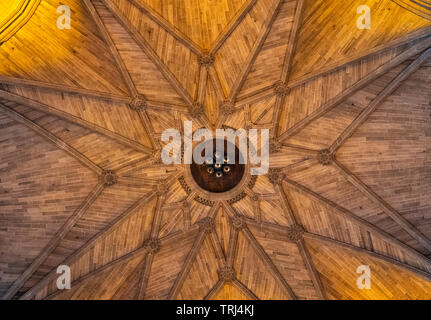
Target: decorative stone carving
point(238, 223)
point(207, 225)
point(161, 189)
point(205, 202)
point(249, 125)
point(196, 110)
point(227, 108)
point(281, 89)
point(274, 146)
point(139, 103)
point(295, 233)
point(252, 182)
point(325, 157)
point(156, 157)
point(108, 178)
point(184, 185)
point(226, 273)
point(206, 60)
point(237, 198)
point(185, 205)
point(275, 176)
point(152, 245)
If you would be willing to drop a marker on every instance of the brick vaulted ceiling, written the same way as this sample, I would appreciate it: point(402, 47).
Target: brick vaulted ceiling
point(81, 183)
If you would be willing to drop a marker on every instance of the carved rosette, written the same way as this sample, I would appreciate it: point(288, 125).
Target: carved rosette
point(139, 104)
point(206, 60)
point(295, 233)
point(207, 225)
point(238, 223)
point(196, 110)
point(185, 205)
point(325, 157)
point(227, 108)
point(152, 245)
point(226, 274)
point(161, 189)
point(281, 89)
point(275, 176)
point(108, 178)
point(249, 125)
point(275, 146)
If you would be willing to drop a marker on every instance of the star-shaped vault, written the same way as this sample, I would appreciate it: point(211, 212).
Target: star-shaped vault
point(82, 184)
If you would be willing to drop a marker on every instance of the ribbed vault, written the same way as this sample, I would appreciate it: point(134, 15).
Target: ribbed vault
point(82, 183)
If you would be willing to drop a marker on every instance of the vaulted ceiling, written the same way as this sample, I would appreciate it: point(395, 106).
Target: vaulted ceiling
point(81, 182)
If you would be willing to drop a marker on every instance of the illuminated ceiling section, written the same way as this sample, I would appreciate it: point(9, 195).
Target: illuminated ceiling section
point(420, 7)
point(204, 24)
point(14, 14)
point(329, 36)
